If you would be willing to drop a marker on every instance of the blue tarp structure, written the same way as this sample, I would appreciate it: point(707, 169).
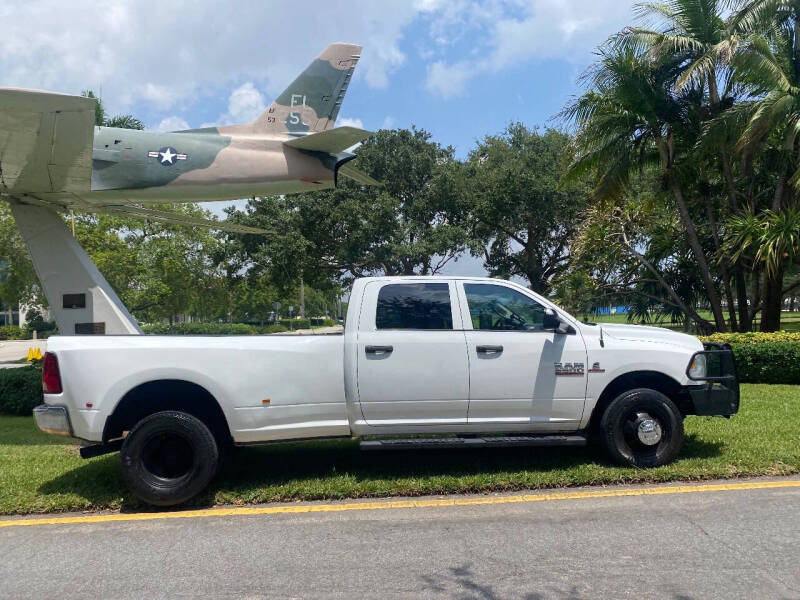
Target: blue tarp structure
point(612, 310)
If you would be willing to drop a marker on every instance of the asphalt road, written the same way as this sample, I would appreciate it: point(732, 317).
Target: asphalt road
point(731, 544)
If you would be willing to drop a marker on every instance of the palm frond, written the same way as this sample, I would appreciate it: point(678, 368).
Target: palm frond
point(701, 68)
point(755, 15)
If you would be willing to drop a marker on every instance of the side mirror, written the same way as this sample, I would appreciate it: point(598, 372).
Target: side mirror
point(551, 322)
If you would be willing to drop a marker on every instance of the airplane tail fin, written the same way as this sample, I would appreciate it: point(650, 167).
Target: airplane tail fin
point(311, 102)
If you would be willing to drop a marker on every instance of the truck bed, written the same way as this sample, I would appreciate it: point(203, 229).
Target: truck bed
point(265, 385)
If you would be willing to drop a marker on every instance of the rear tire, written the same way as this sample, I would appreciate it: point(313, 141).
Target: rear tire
point(642, 428)
point(168, 458)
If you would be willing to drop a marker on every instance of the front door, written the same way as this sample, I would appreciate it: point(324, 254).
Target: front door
point(412, 357)
point(519, 372)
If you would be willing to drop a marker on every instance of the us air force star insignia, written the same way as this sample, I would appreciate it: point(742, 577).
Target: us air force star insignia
point(167, 156)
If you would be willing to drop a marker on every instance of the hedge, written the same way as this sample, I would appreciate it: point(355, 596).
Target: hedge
point(11, 332)
point(15, 332)
point(20, 390)
point(234, 328)
point(210, 329)
point(763, 357)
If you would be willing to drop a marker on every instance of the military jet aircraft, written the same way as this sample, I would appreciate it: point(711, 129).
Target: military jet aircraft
point(52, 155)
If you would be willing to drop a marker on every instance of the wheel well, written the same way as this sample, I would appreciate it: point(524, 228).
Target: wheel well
point(641, 379)
point(167, 394)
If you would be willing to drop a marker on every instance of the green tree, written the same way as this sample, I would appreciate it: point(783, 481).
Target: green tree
point(101, 118)
point(521, 216)
point(414, 223)
point(633, 117)
point(159, 270)
point(695, 34)
point(18, 281)
point(769, 63)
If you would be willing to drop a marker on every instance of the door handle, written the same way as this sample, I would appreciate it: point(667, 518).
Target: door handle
point(489, 349)
point(378, 349)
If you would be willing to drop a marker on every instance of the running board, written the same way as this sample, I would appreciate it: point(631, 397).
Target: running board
point(474, 442)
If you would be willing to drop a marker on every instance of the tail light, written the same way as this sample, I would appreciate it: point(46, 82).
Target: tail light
point(51, 377)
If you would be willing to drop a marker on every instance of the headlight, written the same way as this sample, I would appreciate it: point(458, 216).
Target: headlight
point(697, 370)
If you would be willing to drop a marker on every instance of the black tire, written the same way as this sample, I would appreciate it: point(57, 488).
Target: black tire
point(620, 428)
point(168, 458)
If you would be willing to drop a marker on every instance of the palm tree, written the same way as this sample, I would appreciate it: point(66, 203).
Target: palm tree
point(101, 119)
point(695, 33)
point(124, 122)
point(769, 63)
point(633, 116)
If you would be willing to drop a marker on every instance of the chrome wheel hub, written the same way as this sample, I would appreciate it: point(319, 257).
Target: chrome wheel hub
point(648, 430)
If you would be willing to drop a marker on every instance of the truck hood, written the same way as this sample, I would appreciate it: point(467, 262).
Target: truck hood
point(642, 333)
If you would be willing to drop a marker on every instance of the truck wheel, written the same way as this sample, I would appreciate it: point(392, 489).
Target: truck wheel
point(642, 428)
point(168, 458)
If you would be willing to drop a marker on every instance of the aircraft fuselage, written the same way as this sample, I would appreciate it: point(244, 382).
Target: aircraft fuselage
point(145, 166)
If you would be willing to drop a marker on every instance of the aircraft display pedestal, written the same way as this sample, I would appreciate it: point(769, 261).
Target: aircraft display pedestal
point(81, 300)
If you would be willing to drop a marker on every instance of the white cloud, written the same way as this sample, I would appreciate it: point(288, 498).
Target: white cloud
point(245, 103)
point(388, 122)
point(172, 124)
point(174, 53)
point(184, 51)
point(448, 81)
point(348, 122)
point(505, 34)
point(160, 95)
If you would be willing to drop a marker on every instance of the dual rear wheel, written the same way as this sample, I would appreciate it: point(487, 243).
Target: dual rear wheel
point(168, 458)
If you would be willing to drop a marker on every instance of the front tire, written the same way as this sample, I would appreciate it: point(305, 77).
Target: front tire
point(642, 428)
point(168, 458)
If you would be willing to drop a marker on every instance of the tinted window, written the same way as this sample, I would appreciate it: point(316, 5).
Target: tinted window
point(414, 306)
point(502, 309)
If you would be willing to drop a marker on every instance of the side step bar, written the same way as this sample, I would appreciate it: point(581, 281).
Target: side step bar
point(474, 442)
point(99, 449)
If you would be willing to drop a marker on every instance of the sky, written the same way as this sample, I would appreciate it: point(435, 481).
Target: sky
point(461, 69)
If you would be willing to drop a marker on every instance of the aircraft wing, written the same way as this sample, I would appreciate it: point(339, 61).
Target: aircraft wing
point(149, 214)
point(350, 171)
point(45, 141)
point(331, 141)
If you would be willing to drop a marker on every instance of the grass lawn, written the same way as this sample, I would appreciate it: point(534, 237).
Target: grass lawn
point(790, 321)
point(39, 473)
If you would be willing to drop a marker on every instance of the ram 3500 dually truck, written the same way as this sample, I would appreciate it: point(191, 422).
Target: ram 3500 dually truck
point(445, 356)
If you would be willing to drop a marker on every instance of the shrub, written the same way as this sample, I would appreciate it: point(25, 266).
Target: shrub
point(200, 329)
point(753, 338)
point(20, 390)
point(763, 357)
point(272, 329)
point(321, 322)
point(211, 329)
point(295, 323)
point(11, 332)
point(235, 328)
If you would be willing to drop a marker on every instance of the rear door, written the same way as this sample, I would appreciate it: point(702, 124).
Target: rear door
point(519, 372)
point(412, 357)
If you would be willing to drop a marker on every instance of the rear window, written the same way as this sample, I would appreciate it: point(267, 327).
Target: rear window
point(414, 306)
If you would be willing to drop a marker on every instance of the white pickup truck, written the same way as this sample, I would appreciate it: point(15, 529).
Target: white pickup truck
point(447, 356)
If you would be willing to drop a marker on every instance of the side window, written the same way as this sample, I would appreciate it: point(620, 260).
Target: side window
point(414, 306)
point(499, 308)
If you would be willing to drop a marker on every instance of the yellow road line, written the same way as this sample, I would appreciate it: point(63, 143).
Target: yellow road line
point(429, 503)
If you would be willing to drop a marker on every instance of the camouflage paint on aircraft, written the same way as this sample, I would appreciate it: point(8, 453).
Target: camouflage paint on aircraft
point(291, 147)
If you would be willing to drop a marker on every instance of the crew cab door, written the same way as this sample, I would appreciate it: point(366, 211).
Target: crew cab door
point(520, 372)
point(412, 357)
